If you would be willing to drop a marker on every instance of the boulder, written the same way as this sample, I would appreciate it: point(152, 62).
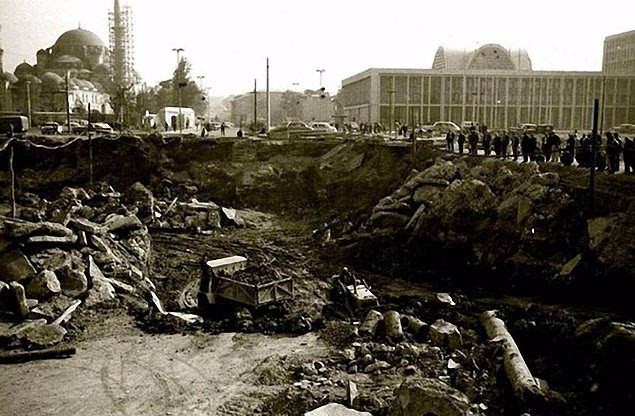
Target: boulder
point(335, 409)
point(141, 198)
point(73, 281)
point(376, 366)
point(445, 334)
point(121, 224)
point(389, 220)
point(426, 396)
point(51, 259)
point(20, 302)
point(15, 266)
point(43, 285)
point(74, 194)
point(42, 335)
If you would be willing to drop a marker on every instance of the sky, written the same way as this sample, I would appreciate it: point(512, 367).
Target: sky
point(228, 42)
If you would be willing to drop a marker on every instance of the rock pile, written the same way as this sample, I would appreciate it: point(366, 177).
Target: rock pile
point(495, 215)
point(84, 249)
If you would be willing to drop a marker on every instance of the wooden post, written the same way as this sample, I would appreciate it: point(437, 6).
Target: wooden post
point(12, 171)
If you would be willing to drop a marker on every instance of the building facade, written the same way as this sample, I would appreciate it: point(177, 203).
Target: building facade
point(619, 53)
point(491, 86)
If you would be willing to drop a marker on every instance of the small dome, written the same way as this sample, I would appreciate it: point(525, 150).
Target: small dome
point(51, 81)
point(23, 70)
point(79, 37)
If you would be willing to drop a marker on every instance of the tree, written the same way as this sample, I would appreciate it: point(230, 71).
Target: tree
point(191, 95)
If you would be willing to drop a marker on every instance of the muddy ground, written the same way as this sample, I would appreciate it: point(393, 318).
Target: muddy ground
point(292, 357)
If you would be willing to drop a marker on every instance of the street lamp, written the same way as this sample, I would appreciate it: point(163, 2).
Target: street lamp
point(178, 61)
point(321, 71)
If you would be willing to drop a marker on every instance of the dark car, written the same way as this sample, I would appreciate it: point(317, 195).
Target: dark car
point(51, 127)
point(15, 124)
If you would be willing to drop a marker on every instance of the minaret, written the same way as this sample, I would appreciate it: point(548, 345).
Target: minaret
point(118, 58)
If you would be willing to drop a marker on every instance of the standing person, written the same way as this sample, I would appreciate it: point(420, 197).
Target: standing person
point(555, 147)
point(629, 156)
point(544, 146)
point(524, 147)
point(487, 143)
point(223, 126)
point(533, 146)
point(515, 145)
point(498, 143)
point(613, 150)
point(449, 139)
point(473, 140)
point(504, 144)
point(461, 141)
point(571, 143)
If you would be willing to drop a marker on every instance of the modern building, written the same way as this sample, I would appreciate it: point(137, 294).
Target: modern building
point(78, 56)
point(285, 106)
point(491, 85)
point(122, 48)
point(619, 53)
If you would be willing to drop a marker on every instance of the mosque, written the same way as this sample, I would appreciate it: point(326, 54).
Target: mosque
point(79, 54)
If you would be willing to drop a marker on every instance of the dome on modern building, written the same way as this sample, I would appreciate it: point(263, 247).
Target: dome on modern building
point(487, 57)
point(23, 70)
point(79, 37)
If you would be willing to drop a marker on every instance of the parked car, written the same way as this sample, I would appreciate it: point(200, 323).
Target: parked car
point(51, 127)
point(292, 129)
point(469, 125)
point(527, 127)
point(102, 128)
point(625, 129)
point(323, 127)
point(442, 127)
point(16, 124)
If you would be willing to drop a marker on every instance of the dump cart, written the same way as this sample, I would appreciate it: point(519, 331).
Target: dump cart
point(217, 285)
point(353, 294)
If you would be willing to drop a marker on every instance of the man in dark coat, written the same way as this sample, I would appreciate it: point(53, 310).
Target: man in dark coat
point(473, 139)
point(524, 147)
point(504, 144)
point(461, 141)
point(498, 143)
point(613, 150)
point(449, 138)
point(487, 143)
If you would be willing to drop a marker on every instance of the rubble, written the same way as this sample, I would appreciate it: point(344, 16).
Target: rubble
point(335, 409)
point(445, 334)
point(422, 396)
point(43, 285)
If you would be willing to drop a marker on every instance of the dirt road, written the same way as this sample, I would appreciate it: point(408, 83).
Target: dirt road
point(158, 375)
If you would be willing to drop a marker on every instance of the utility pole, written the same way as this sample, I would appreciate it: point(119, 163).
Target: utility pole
point(255, 103)
point(594, 151)
point(321, 71)
point(68, 107)
point(268, 100)
point(28, 100)
point(392, 112)
point(178, 85)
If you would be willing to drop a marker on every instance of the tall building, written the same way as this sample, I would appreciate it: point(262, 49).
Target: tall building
point(121, 39)
point(619, 53)
point(490, 85)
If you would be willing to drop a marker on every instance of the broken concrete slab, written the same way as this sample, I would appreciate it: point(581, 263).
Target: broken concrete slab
point(43, 285)
point(446, 334)
point(336, 409)
point(15, 266)
point(42, 335)
point(51, 241)
point(101, 290)
point(82, 224)
point(22, 229)
point(426, 396)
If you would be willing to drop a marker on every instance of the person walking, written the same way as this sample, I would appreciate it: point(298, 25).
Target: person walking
point(461, 141)
point(223, 127)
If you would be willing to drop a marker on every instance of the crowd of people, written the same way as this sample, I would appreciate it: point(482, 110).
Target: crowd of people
point(550, 148)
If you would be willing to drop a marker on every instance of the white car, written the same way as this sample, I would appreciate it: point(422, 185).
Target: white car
point(322, 126)
point(442, 127)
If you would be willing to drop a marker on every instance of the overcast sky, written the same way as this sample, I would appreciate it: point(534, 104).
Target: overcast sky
point(228, 41)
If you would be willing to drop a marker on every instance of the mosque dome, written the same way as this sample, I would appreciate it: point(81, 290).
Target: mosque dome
point(23, 70)
point(79, 37)
point(51, 81)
